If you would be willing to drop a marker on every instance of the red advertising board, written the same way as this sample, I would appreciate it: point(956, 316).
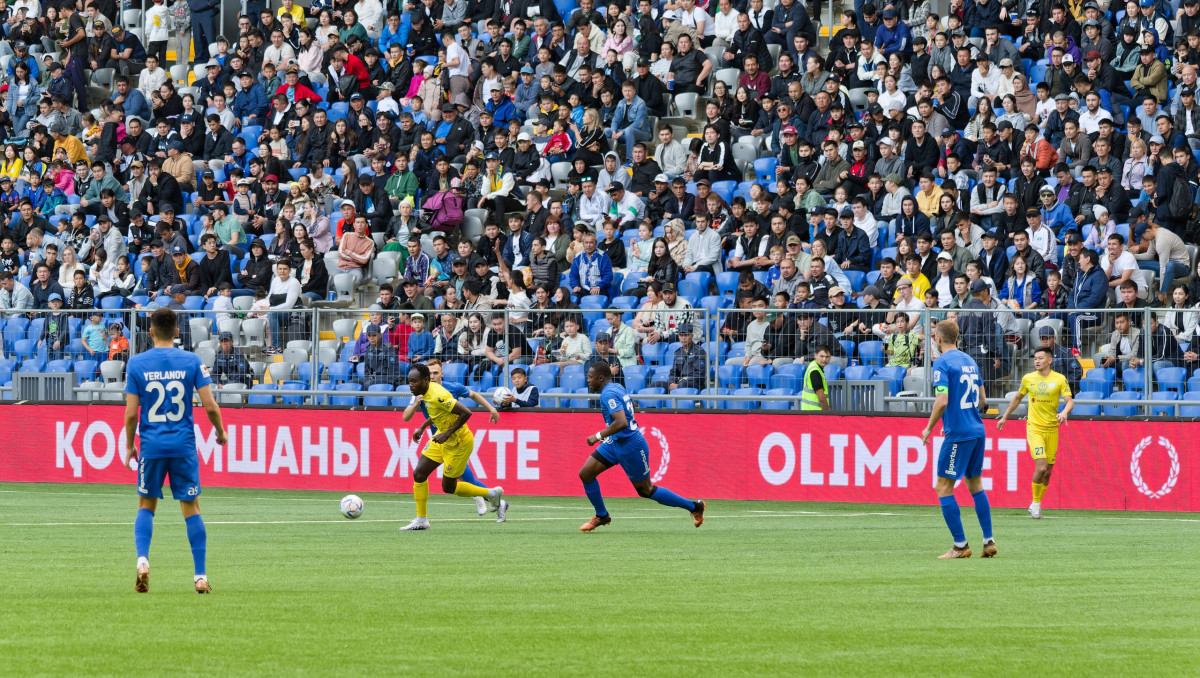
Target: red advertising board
point(1144, 466)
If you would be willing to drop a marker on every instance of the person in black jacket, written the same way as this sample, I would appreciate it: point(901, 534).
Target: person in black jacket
point(218, 142)
point(457, 137)
point(748, 40)
point(644, 170)
point(214, 267)
point(372, 202)
point(163, 191)
point(311, 272)
point(230, 365)
point(979, 334)
point(256, 272)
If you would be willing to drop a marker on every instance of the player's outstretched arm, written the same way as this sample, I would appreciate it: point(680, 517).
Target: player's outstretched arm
point(494, 415)
point(132, 403)
point(412, 408)
point(213, 410)
point(1012, 407)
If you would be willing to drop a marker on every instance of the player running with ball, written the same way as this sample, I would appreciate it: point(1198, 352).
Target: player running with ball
point(1044, 388)
point(459, 392)
point(621, 442)
point(452, 446)
point(164, 379)
point(960, 400)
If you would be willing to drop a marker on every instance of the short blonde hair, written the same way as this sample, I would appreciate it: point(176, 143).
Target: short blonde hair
point(947, 330)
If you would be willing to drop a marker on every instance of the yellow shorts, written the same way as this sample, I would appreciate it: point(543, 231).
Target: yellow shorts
point(1043, 443)
point(454, 453)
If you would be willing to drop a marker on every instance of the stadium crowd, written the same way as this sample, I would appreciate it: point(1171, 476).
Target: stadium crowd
point(1032, 157)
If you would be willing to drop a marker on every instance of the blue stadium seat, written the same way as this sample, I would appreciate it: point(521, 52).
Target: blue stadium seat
point(683, 404)
point(729, 376)
point(713, 404)
point(572, 381)
point(856, 281)
point(1122, 410)
point(261, 398)
point(346, 400)
point(764, 169)
point(581, 403)
point(1134, 379)
point(779, 403)
point(860, 372)
point(1185, 411)
point(650, 403)
point(691, 289)
point(1164, 410)
point(548, 397)
point(727, 282)
point(340, 372)
point(895, 375)
point(791, 383)
point(455, 373)
point(653, 354)
point(871, 353)
point(84, 370)
point(746, 404)
point(636, 377)
point(1172, 379)
point(832, 372)
point(1088, 410)
point(704, 279)
point(759, 376)
point(293, 386)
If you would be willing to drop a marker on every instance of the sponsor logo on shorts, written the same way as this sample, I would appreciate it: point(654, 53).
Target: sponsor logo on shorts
point(953, 455)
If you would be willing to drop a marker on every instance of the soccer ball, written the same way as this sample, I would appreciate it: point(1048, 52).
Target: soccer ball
point(352, 506)
point(500, 394)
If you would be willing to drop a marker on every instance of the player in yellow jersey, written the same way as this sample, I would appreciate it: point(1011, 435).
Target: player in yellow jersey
point(452, 446)
point(1044, 387)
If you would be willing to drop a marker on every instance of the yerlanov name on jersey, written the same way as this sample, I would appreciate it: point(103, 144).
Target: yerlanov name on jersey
point(162, 376)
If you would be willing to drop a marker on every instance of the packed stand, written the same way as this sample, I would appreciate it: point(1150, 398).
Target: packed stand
point(742, 194)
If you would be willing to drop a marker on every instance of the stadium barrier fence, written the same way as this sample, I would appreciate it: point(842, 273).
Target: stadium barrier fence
point(317, 345)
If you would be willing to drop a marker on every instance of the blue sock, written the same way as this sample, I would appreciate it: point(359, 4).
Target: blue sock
point(668, 498)
point(953, 519)
point(983, 510)
point(469, 477)
point(198, 538)
point(143, 529)
point(592, 490)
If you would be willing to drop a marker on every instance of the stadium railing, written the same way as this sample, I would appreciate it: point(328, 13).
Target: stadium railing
point(315, 363)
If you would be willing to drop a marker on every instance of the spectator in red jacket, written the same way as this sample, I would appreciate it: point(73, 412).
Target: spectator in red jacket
point(294, 91)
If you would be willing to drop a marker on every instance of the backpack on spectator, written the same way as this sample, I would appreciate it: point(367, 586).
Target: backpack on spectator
point(1180, 205)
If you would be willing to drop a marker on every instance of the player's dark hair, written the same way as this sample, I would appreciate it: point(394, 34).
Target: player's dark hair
point(1047, 350)
point(163, 324)
point(420, 369)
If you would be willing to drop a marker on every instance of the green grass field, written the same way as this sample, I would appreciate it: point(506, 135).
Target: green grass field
point(760, 589)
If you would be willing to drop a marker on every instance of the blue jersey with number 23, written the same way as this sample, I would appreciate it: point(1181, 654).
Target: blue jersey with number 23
point(164, 380)
point(957, 375)
point(614, 397)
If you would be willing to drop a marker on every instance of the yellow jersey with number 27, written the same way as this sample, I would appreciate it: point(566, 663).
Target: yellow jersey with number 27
point(1044, 394)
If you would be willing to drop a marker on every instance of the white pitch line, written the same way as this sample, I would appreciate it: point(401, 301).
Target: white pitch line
point(459, 520)
point(313, 500)
point(1158, 520)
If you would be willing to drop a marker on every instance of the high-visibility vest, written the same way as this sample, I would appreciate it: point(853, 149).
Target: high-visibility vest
point(808, 397)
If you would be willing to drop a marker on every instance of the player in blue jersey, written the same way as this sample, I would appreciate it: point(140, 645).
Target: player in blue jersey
point(158, 406)
point(960, 400)
point(621, 442)
point(459, 392)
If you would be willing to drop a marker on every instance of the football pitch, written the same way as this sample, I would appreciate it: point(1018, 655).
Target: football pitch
point(761, 589)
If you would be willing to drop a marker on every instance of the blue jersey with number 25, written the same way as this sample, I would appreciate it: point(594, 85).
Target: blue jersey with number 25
point(955, 374)
point(164, 380)
point(614, 397)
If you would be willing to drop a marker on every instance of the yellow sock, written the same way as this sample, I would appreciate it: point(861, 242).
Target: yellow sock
point(469, 490)
point(421, 495)
point(1038, 490)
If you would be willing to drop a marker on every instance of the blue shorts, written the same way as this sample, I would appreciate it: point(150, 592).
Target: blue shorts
point(184, 473)
point(632, 453)
point(961, 459)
